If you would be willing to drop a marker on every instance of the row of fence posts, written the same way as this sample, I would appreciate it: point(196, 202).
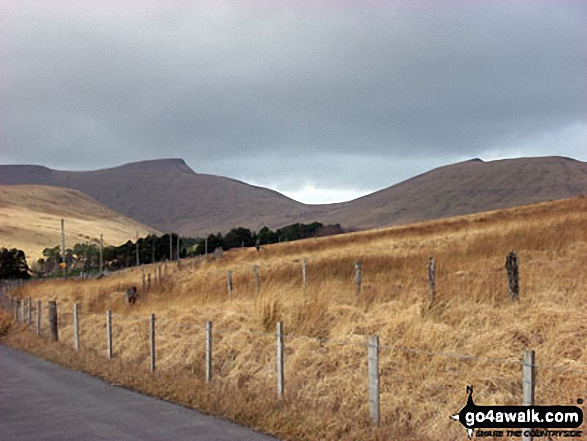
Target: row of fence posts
point(157, 278)
point(528, 358)
point(511, 266)
point(22, 310)
point(373, 345)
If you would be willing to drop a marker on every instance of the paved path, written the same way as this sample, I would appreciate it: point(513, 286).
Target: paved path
point(42, 401)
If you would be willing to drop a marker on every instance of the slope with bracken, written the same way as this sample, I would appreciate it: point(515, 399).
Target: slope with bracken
point(471, 334)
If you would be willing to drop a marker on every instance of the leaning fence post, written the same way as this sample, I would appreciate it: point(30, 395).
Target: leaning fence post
point(229, 280)
point(280, 361)
point(53, 323)
point(257, 283)
point(357, 282)
point(75, 327)
point(16, 309)
point(30, 311)
point(373, 362)
point(208, 351)
point(23, 311)
point(152, 340)
point(39, 317)
point(109, 332)
point(511, 265)
point(432, 278)
point(528, 363)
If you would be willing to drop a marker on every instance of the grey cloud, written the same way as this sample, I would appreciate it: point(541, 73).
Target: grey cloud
point(290, 93)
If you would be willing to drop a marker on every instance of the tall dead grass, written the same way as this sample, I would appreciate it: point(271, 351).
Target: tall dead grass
point(326, 389)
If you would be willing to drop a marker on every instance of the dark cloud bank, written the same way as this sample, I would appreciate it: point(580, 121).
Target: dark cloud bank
point(333, 95)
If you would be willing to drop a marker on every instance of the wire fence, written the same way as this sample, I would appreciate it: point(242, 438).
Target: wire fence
point(339, 366)
point(321, 371)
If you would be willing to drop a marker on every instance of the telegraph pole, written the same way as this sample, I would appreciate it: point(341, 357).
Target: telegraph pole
point(63, 264)
point(101, 253)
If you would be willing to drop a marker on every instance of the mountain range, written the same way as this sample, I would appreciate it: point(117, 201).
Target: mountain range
point(169, 196)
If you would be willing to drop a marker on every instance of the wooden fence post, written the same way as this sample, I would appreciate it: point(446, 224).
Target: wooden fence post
point(39, 317)
point(30, 308)
point(229, 279)
point(528, 363)
point(280, 361)
point(76, 327)
point(373, 362)
point(23, 311)
point(152, 340)
point(143, 281)
point(511, 265)
point(208, 351)
point(357, 282)
point(257, 283)
point(16, 305)
point(304, 277)
point(109, 332)
point(53, 321)
point(149, 282)
point(431, 278)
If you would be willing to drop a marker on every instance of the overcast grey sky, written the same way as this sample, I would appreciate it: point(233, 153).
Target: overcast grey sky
point(321, 100)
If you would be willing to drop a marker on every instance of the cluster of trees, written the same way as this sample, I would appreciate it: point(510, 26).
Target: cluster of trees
point(85, 257)
point(243, 237)
point(13, 264)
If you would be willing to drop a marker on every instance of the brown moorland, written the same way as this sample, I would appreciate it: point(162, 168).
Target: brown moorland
point(472, 334)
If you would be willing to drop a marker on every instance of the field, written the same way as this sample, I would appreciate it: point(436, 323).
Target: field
point(471, 334)
point(30, 220)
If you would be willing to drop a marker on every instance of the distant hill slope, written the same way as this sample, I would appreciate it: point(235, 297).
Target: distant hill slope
point(467, 187)
point(30, 219)
point(168, 195)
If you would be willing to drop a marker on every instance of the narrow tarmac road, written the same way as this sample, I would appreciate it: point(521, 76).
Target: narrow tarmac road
point(43, 401)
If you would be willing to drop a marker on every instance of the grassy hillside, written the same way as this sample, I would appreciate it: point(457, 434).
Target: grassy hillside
point(471, 335)
point(30, 219)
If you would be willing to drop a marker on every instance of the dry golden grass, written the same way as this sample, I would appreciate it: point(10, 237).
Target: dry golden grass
point(326, 364)
point(30, 219)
